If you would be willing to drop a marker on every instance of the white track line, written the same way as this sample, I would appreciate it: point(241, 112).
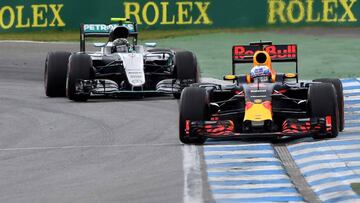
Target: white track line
point(351, 130)
point(350, 84)
point(351, 91)
point(236, 146)
point(324, 149)
point(237, 152)
point(319, 142)
point(352, 121)
point(220, 161)
point(339, 174)
point(257, 195)
point(243, 168)
point(247, 177)
point(333, 184)
point(192, 174)
point(252, 186)
point(329, 166)
point(349, 201)
point(351, 98)
point(352, 106)
point(346, 181)
point(351, 113)
point(328, 196)
point(330, 157)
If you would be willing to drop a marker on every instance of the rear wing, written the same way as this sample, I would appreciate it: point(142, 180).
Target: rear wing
point(279, 53)
point(104, 30)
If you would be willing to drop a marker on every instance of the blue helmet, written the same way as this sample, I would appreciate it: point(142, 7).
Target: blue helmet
point(260, 71)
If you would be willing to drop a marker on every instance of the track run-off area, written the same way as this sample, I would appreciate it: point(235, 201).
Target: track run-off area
point(106, 150)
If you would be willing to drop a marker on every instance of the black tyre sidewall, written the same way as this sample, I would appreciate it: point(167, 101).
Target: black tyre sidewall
point(340, 98)
point(322, 102)
point(194, 106)
point(80, 66)
point(186, 66)
point(56, 66)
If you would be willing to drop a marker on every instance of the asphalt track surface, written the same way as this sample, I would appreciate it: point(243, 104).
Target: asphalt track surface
point(55, 150)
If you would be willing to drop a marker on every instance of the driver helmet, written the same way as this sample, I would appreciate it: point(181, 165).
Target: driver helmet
point(260, 72)
point(120, 45)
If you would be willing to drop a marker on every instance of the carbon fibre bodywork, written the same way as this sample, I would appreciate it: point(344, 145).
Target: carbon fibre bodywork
point(279, 106)
point(289, 109)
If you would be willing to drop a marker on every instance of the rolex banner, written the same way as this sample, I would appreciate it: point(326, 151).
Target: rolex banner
point(21, 15)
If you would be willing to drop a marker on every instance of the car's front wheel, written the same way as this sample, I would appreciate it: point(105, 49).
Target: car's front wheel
point(322, 102)
point(80, 66)
point(186, 68)
point(340, 98)
point(194, 106)
point(56, 65)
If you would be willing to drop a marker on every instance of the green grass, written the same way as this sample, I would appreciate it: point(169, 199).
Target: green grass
point(356, 187)
point(319, 56)
point(42, 36)
point(74, 35)
point(144, 35)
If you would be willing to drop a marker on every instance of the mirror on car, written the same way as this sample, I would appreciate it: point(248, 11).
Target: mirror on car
point(290, 75)
point(230, 77)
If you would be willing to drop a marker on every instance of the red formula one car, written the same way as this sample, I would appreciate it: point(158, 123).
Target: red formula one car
point(263, 103)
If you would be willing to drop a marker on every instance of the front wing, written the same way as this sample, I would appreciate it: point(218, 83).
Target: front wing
point(290, 128)
point(104, 87)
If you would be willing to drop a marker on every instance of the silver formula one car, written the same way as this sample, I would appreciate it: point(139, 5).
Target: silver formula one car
point(120, 67)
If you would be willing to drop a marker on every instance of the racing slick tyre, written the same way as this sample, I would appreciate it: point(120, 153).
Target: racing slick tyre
point(322, 102)
point(186, 68)
point(194, 106)
point(80, 66)
point(56, 65)
point(340, 98)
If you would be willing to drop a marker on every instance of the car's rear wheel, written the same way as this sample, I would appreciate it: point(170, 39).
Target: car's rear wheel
point(194, 106)
point(322, 102)
point(55, 74)
point(80, 66)
point(340, 98)
point(186, 68)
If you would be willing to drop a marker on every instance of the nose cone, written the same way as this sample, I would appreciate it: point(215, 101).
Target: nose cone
point(258, 112)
